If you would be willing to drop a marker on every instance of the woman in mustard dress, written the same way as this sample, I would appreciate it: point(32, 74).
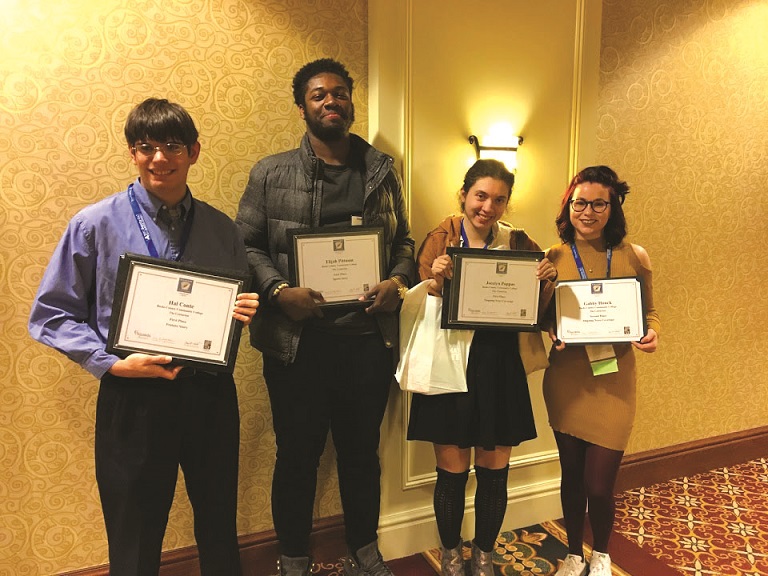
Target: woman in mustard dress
point(592, 415)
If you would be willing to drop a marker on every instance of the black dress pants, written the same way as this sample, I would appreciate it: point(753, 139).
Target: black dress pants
point(145, 430)
point(339, 383)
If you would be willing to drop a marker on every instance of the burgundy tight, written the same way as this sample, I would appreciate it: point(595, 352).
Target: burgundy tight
point(588, 477)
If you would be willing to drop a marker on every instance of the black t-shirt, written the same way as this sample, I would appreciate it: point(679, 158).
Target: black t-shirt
point(343, 194)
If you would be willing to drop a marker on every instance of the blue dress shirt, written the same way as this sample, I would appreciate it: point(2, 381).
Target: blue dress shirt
point(73, 306)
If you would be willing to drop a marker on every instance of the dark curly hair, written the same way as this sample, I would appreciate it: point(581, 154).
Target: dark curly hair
point(160, 120)
point(312, 69)
point(486, 168)
point(616, 228)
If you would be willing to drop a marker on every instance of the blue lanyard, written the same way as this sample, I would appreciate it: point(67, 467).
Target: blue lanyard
point(465, 240)
point(145, 231)
point(580, 265)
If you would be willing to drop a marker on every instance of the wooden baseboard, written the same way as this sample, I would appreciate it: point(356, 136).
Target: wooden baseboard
point(690, 458)
point(258, 552)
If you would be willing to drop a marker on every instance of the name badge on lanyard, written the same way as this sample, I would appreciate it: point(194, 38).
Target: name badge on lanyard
point(602, 357)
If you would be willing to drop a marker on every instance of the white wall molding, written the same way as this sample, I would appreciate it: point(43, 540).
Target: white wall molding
point(578, 78)
point(515, 463)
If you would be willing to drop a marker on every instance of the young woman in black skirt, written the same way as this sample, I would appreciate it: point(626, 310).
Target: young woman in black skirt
point(495, 413)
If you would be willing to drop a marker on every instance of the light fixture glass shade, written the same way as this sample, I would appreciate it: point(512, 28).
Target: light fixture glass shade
point(508, 157)
point(506, 153)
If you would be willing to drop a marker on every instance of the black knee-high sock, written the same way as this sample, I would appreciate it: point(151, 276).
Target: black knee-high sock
point(490, 505)
point(449, 505)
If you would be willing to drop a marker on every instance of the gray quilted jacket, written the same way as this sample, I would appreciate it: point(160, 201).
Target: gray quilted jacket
point(284, 192)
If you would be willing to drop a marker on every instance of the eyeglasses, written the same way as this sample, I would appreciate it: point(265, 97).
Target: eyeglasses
point(598, 205)
point(168, 149)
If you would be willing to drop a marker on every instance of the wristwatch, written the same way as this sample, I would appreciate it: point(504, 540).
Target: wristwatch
point(402, 289)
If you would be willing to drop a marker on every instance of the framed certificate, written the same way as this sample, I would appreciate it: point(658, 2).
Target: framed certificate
point(602, 311)
point(492, 289)
point(340, 263)
point(164, 307)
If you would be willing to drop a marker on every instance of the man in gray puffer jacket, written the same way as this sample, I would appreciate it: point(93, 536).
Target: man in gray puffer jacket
point(326, 367)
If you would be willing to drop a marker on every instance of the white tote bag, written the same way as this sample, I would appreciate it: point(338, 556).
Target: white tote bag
point(432, 360)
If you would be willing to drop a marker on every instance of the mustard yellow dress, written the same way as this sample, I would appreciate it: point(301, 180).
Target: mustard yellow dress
point(598, 409)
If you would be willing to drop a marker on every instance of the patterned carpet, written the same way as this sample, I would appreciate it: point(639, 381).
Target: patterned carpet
point(711, 524)
point(533, 550)
point(530, 551)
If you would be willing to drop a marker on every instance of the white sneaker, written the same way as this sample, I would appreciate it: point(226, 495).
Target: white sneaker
point(572, 566)
point(600, 564)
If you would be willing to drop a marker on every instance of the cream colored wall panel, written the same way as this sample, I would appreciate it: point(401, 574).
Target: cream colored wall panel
point(473, 66)
point(478, 64)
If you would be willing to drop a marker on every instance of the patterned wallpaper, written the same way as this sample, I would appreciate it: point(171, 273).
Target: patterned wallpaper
point(70, 72)
point(683, 117)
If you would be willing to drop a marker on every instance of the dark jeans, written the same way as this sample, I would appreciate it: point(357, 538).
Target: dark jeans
point(145, 430)
point(336, 382)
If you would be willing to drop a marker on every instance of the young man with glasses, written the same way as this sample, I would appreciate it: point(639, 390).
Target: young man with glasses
point(326, 368)
point(151, 418)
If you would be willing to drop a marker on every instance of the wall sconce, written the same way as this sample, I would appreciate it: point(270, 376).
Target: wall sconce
point(505, 154)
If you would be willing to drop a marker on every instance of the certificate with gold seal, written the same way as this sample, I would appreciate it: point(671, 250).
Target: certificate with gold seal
point(179, 310)
point(342, 263)
point(492, 289)
point(600, 311)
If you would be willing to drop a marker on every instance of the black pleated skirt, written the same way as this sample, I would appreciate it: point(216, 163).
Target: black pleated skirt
point(494, 411)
